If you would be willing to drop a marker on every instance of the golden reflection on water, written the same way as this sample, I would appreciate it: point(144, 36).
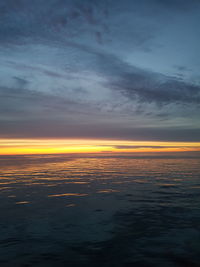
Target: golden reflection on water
point(22, 202)
point(68, 195)
point(40, 177)
point(107, 191)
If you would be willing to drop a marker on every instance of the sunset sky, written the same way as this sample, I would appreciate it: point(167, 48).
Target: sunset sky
point(99, 76)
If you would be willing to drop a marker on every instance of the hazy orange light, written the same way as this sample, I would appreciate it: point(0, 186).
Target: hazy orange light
point(55, 146)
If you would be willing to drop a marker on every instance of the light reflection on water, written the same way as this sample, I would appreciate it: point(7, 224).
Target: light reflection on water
point(100, 211)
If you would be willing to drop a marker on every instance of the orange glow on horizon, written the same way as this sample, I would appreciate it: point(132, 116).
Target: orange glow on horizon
point(61, 146)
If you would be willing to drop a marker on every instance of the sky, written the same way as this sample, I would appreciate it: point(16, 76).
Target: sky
point(109, 69)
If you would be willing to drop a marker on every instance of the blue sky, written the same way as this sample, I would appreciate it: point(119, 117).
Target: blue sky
point(100, 69)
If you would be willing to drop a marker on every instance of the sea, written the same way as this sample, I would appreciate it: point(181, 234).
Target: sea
point(100, 210)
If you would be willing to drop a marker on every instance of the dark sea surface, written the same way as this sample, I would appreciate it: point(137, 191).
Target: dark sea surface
point(106, 210)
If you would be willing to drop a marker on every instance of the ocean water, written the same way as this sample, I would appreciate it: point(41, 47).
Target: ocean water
point(100, 210)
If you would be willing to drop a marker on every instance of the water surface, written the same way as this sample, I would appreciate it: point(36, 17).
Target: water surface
point(108, 210)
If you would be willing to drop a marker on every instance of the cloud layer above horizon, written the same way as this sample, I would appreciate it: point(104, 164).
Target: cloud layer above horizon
point(100, 69)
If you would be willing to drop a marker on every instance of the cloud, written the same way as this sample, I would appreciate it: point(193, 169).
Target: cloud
point(178, 5)
point(56, 22)
point(110, 99)
point(161, 90)
point(135, 147)
point(70, 69)
point(72, 127)
point(146, 86)
point(21, 20)
point(23, 104)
